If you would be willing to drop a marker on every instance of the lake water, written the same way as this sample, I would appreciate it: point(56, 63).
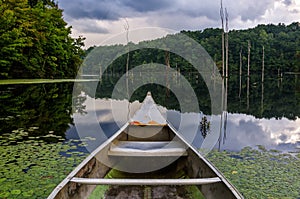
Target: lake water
point(38, 136)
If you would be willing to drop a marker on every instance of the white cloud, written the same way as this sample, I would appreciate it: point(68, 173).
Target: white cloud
point(99, 20)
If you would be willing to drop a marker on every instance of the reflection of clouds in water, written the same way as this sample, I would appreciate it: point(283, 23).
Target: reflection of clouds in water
point(244, 130)
point(106, 110)
point(100, 121)
point(289, 129)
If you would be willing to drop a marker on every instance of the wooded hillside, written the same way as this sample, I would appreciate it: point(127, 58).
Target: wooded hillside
point(281, 43)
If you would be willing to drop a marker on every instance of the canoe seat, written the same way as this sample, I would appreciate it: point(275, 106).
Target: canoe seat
point(106, 181)
point(153, 148)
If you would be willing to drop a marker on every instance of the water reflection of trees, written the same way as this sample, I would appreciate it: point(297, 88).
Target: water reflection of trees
point(49, 106)
point(46, 106)
point(280, 96)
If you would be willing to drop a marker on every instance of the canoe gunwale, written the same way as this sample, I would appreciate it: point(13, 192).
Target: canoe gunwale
point(208, 163)
point(61, 185)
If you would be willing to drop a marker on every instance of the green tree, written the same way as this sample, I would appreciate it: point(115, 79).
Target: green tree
point(35, 41)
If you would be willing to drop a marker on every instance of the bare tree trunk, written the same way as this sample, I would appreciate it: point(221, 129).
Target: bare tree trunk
point(223, 46)
point(249, 49)
point(263, 65)
point(248, 75)
point(126, 27)
point(262, 80)
point(226, 42)
point(241, 63)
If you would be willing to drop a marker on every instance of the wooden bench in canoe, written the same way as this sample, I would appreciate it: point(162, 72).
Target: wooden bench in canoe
point(145, 144)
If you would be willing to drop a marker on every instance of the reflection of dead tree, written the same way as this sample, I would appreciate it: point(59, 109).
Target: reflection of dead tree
point(204, 127)
point(167, 61)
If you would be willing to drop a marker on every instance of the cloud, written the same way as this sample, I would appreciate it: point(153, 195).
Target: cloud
point(176, 14)
point(245, 130)
point(93, 9)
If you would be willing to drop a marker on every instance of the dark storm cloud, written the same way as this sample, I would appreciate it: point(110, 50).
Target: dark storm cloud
point(93, 9)
point(115, 9)
point(111, 10)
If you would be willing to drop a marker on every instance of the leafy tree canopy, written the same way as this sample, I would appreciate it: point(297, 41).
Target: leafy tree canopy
point(35, 41)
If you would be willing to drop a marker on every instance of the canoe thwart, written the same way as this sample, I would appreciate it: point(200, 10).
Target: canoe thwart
point(105, 181)
point(155, 148)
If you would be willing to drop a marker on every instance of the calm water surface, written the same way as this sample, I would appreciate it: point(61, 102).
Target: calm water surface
point(38, 136)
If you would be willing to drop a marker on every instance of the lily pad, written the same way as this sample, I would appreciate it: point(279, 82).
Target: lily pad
point(4, 194)
point(28, 193)
point(2, 180)
point(15, 192)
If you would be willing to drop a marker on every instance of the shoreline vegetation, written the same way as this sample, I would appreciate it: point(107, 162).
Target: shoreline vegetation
point(276, 47)
point(42, 81)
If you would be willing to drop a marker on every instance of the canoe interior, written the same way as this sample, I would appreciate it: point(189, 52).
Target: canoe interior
point(190, 165)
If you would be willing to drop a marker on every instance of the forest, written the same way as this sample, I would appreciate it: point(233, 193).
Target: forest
point(35, 41)
point(281, 45)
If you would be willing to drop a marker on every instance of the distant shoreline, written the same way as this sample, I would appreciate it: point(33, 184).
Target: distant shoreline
point(41, 81)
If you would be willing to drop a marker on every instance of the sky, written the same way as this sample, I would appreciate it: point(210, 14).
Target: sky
point(99, 21)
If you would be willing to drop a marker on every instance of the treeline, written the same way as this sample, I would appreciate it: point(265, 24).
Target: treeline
point(281, 45)
point(35, 41)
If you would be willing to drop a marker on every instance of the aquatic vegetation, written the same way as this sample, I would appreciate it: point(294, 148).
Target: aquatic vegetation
point(32, 168)
point(260, 173)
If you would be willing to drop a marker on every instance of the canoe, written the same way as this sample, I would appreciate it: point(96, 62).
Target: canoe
point(151, 152)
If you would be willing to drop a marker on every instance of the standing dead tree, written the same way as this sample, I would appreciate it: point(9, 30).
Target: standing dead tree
point(224, 73)
point(223, 46)
point(126, 27)
point(226, 42)
point(241, 63)
point(262, 79)
point(248, 74)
